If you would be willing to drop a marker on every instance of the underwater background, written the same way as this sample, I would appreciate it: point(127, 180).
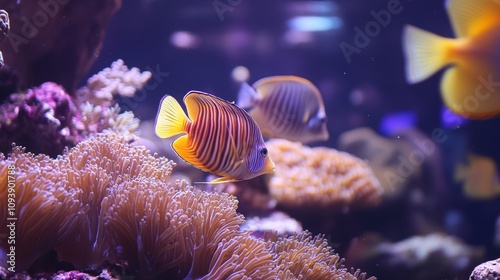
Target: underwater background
point(422, 203)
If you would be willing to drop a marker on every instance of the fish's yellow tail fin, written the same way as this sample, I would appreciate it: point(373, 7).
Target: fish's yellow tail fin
point(171, 119)
point(425, 53)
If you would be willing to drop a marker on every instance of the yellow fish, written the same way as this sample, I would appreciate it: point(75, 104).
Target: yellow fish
point(479, 177)
point(286, 107)
point(221, 138)
point(471, 86)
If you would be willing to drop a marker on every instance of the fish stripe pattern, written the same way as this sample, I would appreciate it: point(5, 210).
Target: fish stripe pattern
point(204, 132)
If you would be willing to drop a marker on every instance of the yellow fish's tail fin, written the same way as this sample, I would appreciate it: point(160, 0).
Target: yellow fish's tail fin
point(171, 119)
point(425, 53)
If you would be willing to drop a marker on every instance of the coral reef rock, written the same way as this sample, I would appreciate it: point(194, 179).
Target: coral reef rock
point(398, 163)
point(55, 40)
point(431, 257)
point(40, 119)
point(487, 271)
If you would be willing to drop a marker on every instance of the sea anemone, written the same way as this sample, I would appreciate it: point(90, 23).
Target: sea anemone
point(242, 257)
point(109, 200)
point(46, 210)
point(302, 256)
point(162, 230)
point(93, 167)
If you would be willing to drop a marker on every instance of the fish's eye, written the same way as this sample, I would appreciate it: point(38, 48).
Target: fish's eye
point(263, 152)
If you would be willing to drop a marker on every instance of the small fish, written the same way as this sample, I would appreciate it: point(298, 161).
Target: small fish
point(221, 138)
point(471, 86)
point(286, 107)
point(479, 177)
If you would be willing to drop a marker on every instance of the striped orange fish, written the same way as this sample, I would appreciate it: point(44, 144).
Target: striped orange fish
point(286, 107)
point(221, 138)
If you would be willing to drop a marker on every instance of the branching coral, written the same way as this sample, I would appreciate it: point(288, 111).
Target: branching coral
point(320, 177)
point(302, 256)
point(117, 79)
point(46, 119)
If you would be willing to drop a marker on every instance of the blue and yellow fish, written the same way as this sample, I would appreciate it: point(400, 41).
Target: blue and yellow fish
point(471, 86)
point(221, 138)
point(286, 107)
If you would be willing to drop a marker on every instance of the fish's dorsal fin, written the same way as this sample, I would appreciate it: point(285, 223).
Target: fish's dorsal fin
point(247, 96)
point(470, 17)
point(266, 85)
point(171, 119)
point(191, 100)
point(194, 98)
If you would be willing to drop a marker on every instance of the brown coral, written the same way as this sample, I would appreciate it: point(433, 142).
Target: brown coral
point(320, 177)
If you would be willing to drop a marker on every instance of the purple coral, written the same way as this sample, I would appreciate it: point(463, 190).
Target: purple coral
point(39, 119)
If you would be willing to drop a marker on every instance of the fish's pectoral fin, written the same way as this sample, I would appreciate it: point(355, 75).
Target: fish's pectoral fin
point(468, 17)
point(171, 119)
point(183, 150)
point(218, 181)
point(425, 53)
point(247, 96)
point(223, 180)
